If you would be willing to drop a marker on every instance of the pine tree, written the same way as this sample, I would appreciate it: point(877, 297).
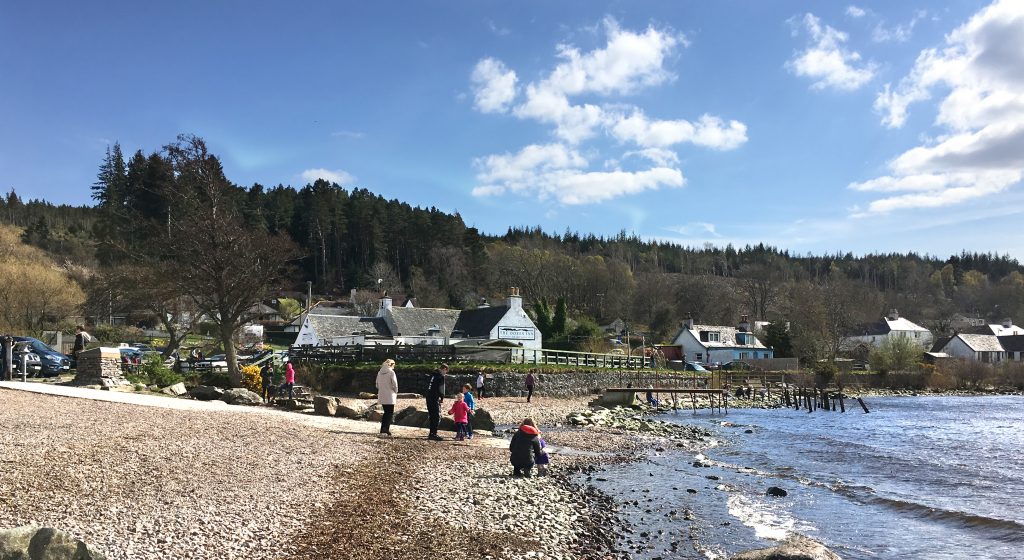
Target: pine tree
point(559, 320)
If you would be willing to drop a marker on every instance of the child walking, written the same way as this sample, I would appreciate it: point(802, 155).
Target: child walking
point(460, 411)
point(467, 395)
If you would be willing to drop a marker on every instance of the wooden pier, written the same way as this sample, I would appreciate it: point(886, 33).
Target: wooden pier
point(721, 403)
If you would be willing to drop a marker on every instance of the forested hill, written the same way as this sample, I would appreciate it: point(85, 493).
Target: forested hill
point(352, 238)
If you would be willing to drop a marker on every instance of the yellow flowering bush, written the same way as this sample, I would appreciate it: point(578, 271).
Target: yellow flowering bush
point(251, 378)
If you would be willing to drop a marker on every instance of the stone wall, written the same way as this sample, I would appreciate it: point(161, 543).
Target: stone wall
point(100, 366)
point(499, 384)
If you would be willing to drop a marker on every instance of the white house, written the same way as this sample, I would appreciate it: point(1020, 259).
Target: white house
point(892, 325)
point(1006, 328)
point(423, 325)
point(720, 344)
point(979, 347)
point(1013, 345)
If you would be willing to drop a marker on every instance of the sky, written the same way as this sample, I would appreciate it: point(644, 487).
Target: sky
point(816, 127)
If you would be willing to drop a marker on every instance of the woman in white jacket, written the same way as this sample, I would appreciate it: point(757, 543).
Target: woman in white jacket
point(387, 393)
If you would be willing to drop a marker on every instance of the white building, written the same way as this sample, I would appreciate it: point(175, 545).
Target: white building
point(984, 348)
point(1006, 328)
point(422, 325)
point(874, 334)
point(711, 344)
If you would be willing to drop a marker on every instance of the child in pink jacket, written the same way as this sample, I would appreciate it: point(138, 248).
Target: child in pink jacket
point(460, 411)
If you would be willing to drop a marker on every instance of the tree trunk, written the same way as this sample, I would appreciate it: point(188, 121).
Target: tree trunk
point(227, 338)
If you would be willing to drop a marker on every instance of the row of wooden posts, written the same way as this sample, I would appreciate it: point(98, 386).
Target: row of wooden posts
point(817, 399)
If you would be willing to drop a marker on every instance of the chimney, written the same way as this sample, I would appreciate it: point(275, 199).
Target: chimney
point(385, 304)
point(1007, 323)
point(744, 325)
point(483, 303)
point(688, 323)
point(894, 315)
point(515, 301)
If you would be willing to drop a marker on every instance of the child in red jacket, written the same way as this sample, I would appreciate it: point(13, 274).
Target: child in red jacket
point(460, 410)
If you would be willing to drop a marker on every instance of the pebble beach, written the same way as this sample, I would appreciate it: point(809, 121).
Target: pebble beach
point(231, 482)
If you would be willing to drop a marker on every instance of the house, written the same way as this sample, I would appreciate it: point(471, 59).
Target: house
point(423, 325)
point(979, 347)
point(1006, 328)
point(892, 325)
point(1013, 345)
point(720, 344)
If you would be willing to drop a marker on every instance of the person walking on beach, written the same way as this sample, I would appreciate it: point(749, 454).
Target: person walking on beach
point(387, 394)
point(460, 413)
point(435, 395)
point(530, 381)
point(467, 396)
point(267, 380)
point(289, 379)
point(480, 384)
point(524, 448)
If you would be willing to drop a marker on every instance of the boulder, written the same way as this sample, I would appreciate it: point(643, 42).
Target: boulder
point(295, 404)
point(241, 397)
point(413, 417)
point(44, 542)
point(776, 492)
point(482, 420)
point(206, 393)
point(796, 548)
point(352, 411)
point(365, 395)
point(410, 396)
point(325, 406)
point(375, 413)
point(404, 413)
point(139, 386)
point(176, 390)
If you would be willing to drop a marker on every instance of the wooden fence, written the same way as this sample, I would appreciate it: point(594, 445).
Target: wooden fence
point(455, 354)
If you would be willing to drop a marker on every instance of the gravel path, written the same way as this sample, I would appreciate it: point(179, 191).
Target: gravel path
point(181, 479)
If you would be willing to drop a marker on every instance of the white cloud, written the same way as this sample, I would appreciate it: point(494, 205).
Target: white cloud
point(899, 33)
point(628, 62)
point(556, 172)
point(708, 131)
point(348, 134)
point(694, 229)
point(499, 31)
point(334, 176)
point(982, 150)
point(855, 12)
point(827, 62)
point(494, 86)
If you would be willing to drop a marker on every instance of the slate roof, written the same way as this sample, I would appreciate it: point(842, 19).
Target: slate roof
point(330, 326)
point(416, 321)
point(982, 342)
point(727, 337)
point(940, 343)
point(1012, 343)
point(481, 321)
point(996, 329)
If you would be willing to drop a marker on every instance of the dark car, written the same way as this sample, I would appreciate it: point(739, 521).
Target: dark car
point(52, 361)
point(737, 366)
point(33, 364)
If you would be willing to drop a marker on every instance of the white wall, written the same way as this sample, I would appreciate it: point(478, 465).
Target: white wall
point(515, 317)
point(307, 335)
point(959, 349)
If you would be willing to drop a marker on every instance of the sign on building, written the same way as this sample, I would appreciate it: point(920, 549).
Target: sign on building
point(517, 333)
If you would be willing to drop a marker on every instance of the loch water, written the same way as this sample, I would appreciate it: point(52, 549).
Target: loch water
point(917, 477)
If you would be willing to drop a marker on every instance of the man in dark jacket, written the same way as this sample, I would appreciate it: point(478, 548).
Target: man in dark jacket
point(524, 448)
point(435, 394)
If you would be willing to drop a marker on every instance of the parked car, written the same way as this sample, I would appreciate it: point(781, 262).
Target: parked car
point(737, 366)
point(694, 366)
point(52, 361)
point(33, 362)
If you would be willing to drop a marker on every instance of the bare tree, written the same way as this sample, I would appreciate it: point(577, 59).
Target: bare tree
point(224, 266)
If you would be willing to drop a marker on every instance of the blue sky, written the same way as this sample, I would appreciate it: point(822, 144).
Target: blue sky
point(813, 126)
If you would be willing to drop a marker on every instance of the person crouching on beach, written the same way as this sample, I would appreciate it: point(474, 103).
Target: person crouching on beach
point(460, 410)
point(524, 448)
point(467, 395)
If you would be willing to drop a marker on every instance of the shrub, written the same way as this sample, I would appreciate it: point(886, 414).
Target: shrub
point(154, 370)
point(251, 379)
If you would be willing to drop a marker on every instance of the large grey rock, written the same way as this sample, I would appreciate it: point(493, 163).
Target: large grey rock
point(325, 406)
point(482, 420)
point(796, 548)
point(353, 411)
point(241, 397)
point(413, 417)
point(176, 390)
point(375, 413)
point(365, 395)
point(206, 393)
point(44, 543)
point(404, 413)
point(410, 396)
point(295, 404)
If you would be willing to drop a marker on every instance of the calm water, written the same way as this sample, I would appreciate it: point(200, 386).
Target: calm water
point(925, 477)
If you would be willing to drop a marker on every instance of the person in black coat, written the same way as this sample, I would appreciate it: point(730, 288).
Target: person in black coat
point(435, 395)
point(524, 448)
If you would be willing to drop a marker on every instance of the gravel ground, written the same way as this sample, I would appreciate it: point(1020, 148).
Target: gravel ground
point(194, 481)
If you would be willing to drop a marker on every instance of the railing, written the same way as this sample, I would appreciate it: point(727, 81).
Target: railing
point(584, 359)
point(455, 354)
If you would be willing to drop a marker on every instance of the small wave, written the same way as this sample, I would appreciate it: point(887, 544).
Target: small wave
point(1001, 529)
point(766, 522)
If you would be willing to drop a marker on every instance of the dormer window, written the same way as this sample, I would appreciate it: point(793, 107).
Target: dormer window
point(710, 336)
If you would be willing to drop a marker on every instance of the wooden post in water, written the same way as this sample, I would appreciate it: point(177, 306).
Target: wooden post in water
point(842, 405)
point(785, 395)
point(862, 405)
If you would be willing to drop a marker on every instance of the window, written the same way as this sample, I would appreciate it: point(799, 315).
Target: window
point(744, 355)
point(698, 356)
point(713, 336)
